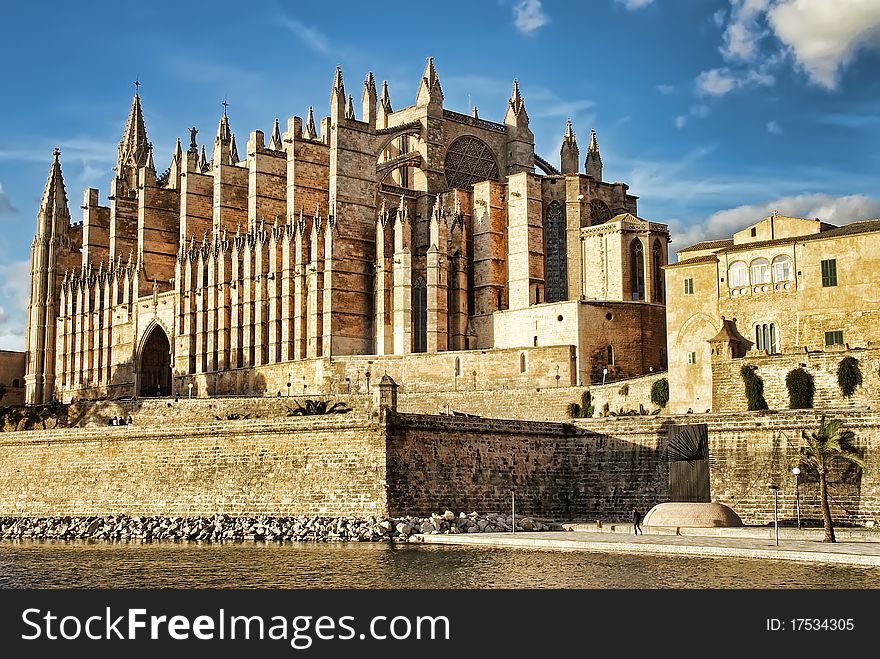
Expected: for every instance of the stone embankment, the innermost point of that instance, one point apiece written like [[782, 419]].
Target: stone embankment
[[223, 528]]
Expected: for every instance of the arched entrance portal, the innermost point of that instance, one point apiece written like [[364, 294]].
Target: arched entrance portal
[[155, 366]]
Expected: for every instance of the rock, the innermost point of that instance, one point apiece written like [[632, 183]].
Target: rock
[[404, 529], [427, 527], [527, 524], [449, 515]]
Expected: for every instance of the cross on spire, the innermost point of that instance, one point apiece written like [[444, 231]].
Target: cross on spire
[[137, 86], [225, 106]]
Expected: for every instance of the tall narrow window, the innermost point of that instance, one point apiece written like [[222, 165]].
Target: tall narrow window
[[637, 270], [689, 286], [522, 362], [657, 271], [458, 366], [610, 359], [420, 315], [766, 338], [555, 257]]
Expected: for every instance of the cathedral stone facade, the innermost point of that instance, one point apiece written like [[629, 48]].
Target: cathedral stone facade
[[434, 246]]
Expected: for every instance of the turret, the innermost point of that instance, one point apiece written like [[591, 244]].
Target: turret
[[593, 163], [310, 132], [275, 142], [568, 155]]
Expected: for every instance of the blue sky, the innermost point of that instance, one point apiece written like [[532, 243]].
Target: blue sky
[[714, 111]]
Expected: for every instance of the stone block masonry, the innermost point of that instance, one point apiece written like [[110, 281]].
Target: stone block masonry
[[393, 464]]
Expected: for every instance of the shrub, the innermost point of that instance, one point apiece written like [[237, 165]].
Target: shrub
[[660, 392], [606, 409], [574, 410], [849, 376], [624, 390], [754, 387], [801, 388], [317, 407], [587, 405]]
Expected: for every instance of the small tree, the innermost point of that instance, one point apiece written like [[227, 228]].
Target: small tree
[[317, 407], [825, 445], [660, 392], [849, 376], [801, 389], [754, 387], [584, 409], [624, 390]]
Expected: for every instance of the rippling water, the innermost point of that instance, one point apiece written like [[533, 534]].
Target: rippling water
[[83, 564]]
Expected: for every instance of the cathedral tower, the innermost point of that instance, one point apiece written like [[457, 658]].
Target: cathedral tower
[[47, 250]]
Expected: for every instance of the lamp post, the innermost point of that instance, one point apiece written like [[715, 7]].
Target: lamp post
[[797, 495], [288, 385], [775, 489], [190, 389]]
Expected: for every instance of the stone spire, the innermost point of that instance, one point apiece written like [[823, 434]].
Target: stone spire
[[384, 107], [275, 143], [516, 114], [430, 92], [337, 97], [568, 154], [233, 151], [310, 130], [54, 216], [593, 163], [203, 161], [133, 146], [53, 221], [224, 141], [177, 156], [368, 100], [349, 108]]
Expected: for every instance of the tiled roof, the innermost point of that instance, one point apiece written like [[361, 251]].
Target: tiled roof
[[708, 258], [708, 244], [854, 228]]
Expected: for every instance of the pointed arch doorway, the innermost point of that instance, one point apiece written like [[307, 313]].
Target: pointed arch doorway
[[155, 364]]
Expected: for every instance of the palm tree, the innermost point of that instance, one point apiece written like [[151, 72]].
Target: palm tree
[[825, 445], [317, 407]]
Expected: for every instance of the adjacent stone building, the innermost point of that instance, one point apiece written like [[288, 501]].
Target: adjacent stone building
[[396, 234], [782, 293]]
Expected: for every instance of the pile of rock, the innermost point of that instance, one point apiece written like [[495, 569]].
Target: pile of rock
[[221, 528]]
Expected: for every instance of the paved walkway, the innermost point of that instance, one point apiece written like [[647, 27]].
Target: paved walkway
[[751, 542]]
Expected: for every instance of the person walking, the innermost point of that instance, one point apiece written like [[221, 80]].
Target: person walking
[[637, 521]]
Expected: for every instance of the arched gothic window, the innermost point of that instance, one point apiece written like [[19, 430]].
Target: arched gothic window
[[555, 258], [420, 315], [522, 362], [637, 270], [657, 271]]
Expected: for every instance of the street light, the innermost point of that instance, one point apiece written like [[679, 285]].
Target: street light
[[797, 496], [190, 389], [775, 489]]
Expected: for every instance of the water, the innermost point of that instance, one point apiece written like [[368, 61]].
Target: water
[[84, 564]]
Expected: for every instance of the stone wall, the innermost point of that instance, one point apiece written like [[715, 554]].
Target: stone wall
[[555, 470], [172, 463], [750, 450], [328, 466], [728, 388]]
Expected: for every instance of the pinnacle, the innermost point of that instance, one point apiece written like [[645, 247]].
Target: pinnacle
[[337, 81], [516, 99], [54, 194], [594, 144], [133, 145], [275, 143], [349, 109], [311, 131], [569, 133]]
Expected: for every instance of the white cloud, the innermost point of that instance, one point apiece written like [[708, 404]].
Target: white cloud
[[718, 18], [825, 36], [6, 207], [310, 36], [744, 29], [633, 5], [14, 289], [774, 128], [528, 16], [681, 121], [723, 224], [716, 82], [697, 111], [665, 89]]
